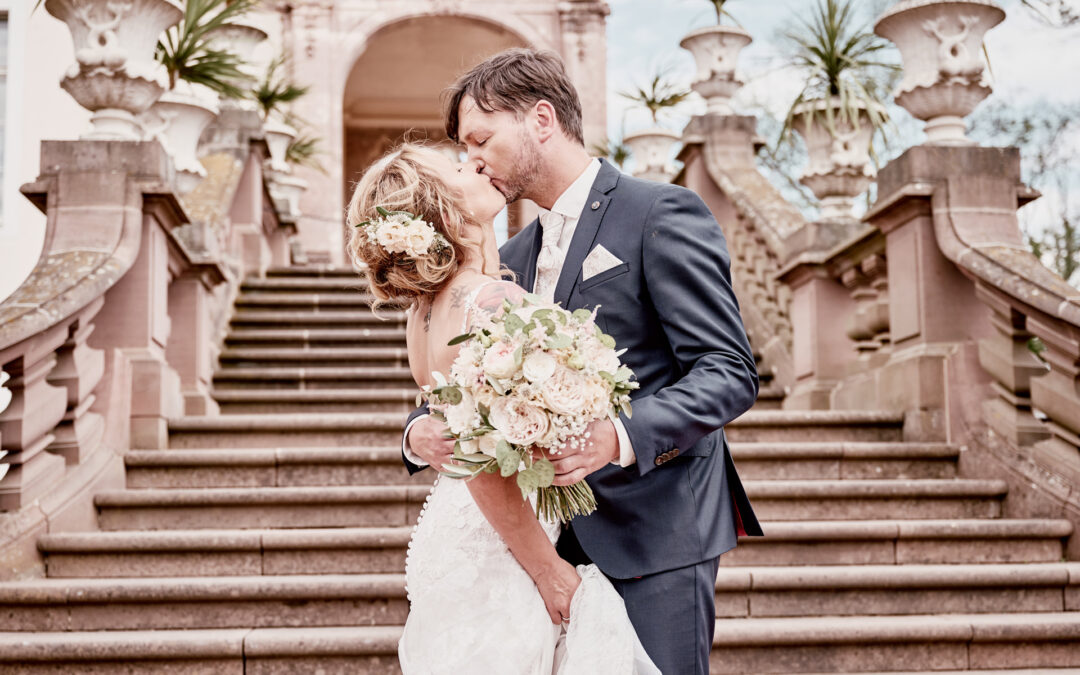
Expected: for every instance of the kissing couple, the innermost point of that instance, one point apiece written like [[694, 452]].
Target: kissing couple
[[628, 588]]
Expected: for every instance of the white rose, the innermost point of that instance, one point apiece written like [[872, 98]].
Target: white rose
[[538, 367], [564, 392], [462, 417], [499, 361], [419, 236], [519, 422], [469, 447], [486, 443], [603, 358]]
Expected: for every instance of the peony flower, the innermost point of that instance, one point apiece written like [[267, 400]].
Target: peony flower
[[519, 422], [499, 361], [462, 417], [538, 366], [564, 392], [486, 443]]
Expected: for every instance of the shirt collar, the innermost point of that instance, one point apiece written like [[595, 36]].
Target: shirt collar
[[571, 203]]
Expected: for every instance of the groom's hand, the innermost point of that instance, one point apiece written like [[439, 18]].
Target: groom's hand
[[426, 439], [597, 451]]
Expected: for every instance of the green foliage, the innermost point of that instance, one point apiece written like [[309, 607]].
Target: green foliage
[[188, 53], [274, 90], [718, 5], [305, 150], [841, 59], [660, 95], [1056, 13], [616, 151]]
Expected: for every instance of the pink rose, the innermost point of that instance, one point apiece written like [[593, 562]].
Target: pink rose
[[519, 422]]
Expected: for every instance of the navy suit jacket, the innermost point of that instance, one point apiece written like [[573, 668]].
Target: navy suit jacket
[[671, 305]]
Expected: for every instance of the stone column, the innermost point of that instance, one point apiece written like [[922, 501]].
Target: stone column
[[584, 50], [190, 350], [316, 62]]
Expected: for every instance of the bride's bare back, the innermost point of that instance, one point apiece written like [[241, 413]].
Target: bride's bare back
[[443, 317]]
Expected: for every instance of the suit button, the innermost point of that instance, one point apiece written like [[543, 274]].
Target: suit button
[[674, 453], [659, 460]]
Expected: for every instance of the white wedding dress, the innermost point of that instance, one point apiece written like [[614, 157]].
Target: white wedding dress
[[474, 609]]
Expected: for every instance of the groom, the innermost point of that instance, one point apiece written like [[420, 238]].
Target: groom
[[654, 259]]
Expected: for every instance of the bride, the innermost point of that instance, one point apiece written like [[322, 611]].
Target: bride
[[487, 591]]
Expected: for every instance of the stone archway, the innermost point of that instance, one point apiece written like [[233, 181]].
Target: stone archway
[[395, 86]]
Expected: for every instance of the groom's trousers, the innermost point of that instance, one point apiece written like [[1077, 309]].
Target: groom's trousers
[[673, 612]]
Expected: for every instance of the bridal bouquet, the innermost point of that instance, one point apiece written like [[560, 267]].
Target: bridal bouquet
[[532, 377]]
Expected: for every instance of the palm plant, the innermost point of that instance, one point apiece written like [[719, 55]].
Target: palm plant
[[274, 91], [718, 5], [187, 51], [840, 62], [304, 150], [660, 95], [617, 151]]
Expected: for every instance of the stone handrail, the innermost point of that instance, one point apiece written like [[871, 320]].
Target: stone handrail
[[718, 155]]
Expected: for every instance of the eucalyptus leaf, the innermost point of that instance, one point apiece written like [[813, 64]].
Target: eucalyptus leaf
[[545, 472], [582, 315], [459, 339], [509, 459], [382, 212], [559, 341]]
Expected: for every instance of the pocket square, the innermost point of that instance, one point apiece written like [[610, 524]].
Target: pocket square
[[599, 260]]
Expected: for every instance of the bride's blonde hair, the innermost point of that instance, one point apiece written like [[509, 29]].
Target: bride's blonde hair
[[406, 180]]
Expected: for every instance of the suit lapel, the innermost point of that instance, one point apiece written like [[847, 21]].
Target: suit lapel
[[532, 252], [585, 233]]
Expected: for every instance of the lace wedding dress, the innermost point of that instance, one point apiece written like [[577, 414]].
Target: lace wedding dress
[[474, 609]]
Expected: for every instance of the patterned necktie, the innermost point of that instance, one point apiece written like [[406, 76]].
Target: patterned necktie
[[550, 259]]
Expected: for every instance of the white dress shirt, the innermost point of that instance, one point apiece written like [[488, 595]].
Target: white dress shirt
[[569, 205]]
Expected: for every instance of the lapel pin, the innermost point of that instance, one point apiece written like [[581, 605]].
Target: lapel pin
[[595, 205]]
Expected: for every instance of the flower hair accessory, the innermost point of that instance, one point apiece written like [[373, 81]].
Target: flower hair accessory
[[403, 232]]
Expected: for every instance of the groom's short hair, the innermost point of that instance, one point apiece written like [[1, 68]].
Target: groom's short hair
[[513, 81]]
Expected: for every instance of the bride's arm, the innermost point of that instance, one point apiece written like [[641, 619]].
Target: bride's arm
[[512, 517]]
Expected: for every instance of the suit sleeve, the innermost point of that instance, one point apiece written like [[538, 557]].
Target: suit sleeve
[[415, 415], [687, 274]]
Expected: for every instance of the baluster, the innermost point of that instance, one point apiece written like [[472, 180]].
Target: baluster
[[78, 370], [1057, 393], [1007, 359]]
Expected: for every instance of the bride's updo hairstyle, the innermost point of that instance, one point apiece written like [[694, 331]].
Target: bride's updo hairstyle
[[406, 180]]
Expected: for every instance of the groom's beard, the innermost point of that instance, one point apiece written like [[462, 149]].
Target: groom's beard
[[524, 173]]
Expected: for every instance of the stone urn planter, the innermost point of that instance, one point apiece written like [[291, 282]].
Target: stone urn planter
[[115, 75], [286, 189], [940, 43], [839, 168], [651, 150], [278, 137], [243, 39], [177, 120], [716, 51]]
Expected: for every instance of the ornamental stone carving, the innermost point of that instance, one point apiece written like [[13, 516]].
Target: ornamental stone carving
[[652, 150], [940, 42], [716, 51], [839, 169], [115, 75]]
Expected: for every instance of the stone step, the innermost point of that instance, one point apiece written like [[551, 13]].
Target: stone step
[[883, 643], [203, 602], [386, 318], [845, 460], [902, 542], [246, 357], [315, 400], [355, 550], [875, 499], [246, 508], [322, 337], [303, 284], [897, 589], [371, 650], [340, 550], [269, 467], [250, 467], [309, 271], [301, 301], [287, 430], [316, 377], [770, 397], [815, 426]]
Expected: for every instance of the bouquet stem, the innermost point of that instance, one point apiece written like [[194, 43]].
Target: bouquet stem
[[564, 502]]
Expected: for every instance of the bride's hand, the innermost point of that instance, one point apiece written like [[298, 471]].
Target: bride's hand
[[557, 584]]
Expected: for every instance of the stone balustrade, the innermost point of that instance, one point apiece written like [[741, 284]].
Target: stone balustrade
[[718, 157], [116, 330]]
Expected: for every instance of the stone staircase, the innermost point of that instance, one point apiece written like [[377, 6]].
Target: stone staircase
[[271, 539]]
